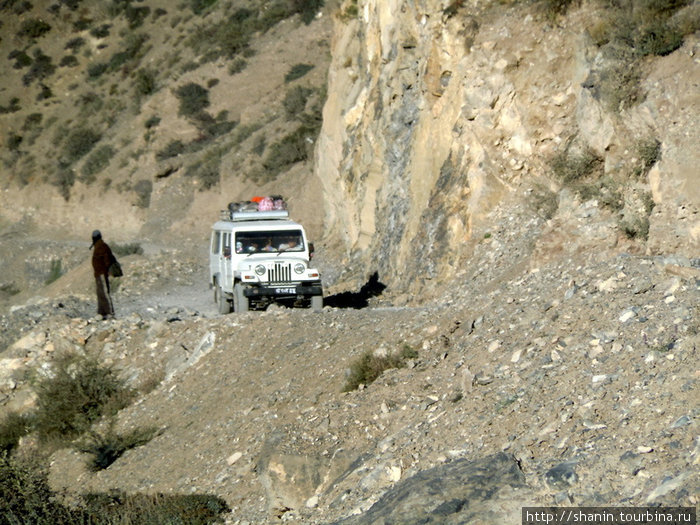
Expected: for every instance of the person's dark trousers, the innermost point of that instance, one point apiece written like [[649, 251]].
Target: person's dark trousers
[[104, 300]]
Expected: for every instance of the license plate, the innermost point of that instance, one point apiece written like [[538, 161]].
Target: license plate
[[285, 290]]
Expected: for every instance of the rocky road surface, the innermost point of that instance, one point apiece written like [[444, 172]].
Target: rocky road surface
[[570, 382]]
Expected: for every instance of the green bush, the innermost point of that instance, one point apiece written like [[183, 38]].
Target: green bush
[[28, 498], [12, 428], [21, 58], [237, 65], [79, 143], [55, 272], [291, 149], [33, 28], [208, 170], [369, 366], [307, 9], [659, 39], [40, 68], [13, 106], [97, 69], [295, 101], [145, 82], [649, 153], [74, 44], [155, 509], [152, 122], [136, 15], [63, 179], [106, 447], [13, 141], [96, 162], [122, 250], [193, 99], [101, 31], [68, 61], [173, 149], [199, 6], [78, 392], [571, 166], [226, 38]]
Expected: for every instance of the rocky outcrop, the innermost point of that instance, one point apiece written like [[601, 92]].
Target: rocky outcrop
[[436, 113], [491, 489]]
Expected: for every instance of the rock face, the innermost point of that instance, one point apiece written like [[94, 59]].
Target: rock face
[[436, 113], [457, 493]]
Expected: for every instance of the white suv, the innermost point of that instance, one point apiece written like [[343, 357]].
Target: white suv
[[260, 257]]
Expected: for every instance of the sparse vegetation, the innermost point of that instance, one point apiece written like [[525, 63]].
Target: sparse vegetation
[[571, 165], [79, 390], [28, 498], [145, 82], [370, 365], [193, 99], [350, 10], [199, 6], [649, 153], [123, 250], [96, 162], [55, 272], [237, 65], [33, 28], [172, 149], [12, 428], [106, 447], [143, 190], [79, 143], [207, 170], [74, 44], [12, 107], [307, 9], [292, 148], [628, 32], [40, 68], [295, 101]]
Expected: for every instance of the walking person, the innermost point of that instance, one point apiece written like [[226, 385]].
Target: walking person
[[102, 258]]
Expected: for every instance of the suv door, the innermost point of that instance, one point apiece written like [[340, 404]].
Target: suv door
[[226, 266], [214, 255]]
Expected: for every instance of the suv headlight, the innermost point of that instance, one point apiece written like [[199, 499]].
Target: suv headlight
[[299, 268], [260, 269]]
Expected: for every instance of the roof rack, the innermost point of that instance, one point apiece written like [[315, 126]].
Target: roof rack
[[236, 216]]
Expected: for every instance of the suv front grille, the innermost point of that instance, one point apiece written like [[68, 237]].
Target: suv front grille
[[279, 273]]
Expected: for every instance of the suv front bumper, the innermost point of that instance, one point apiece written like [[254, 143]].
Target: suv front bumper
[[280, 290]]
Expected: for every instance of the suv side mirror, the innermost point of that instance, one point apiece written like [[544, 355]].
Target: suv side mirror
[[311, 250]]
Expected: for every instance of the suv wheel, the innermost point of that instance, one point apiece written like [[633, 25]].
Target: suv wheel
[[222, 301]]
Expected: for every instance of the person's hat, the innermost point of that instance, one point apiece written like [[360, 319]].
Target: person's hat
[[96, 236]]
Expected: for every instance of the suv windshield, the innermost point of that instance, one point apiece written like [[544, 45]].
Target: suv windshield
[[269, 241]]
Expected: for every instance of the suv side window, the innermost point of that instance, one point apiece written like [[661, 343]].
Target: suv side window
[[215, 241], [227, 244]]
